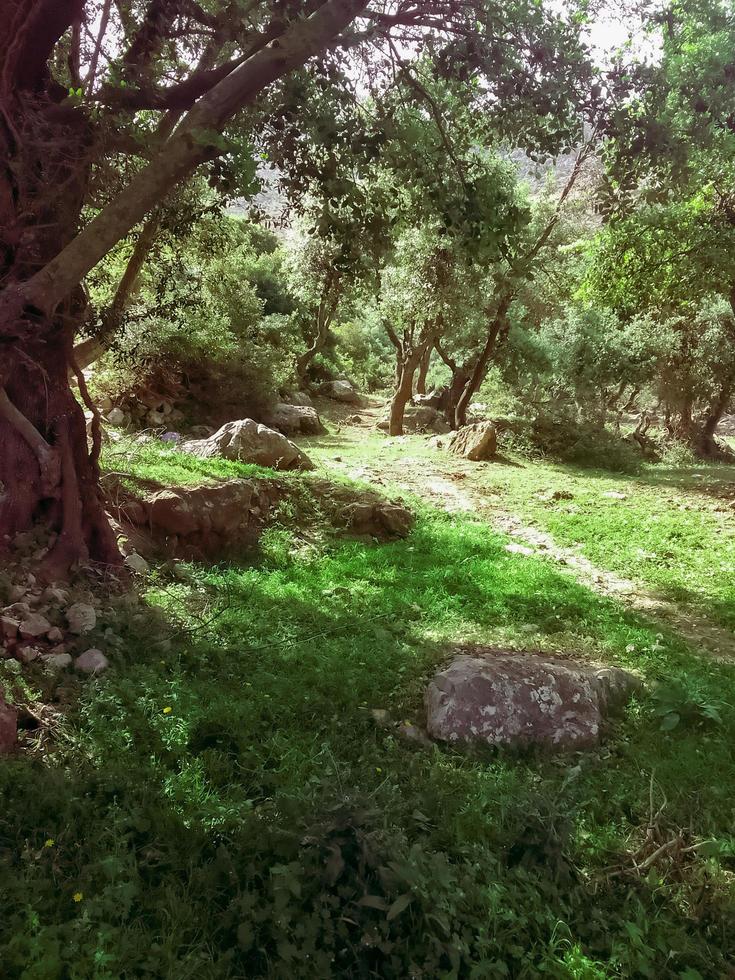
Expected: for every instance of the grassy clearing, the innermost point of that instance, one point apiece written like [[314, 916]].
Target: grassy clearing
[[674, 532], [222, 805]]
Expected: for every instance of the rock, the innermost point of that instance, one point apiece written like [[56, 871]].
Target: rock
[[354, 420], [54, 594], [432, 399], [8, 727], [136, 563], [18, 610], [57, 661], [116, 416], [296, 420], [250, 442], [300, 398], [551, 496], [412, 733], [380, 519], [54, 635], [156, 418], [419, 418], [340, 391], [211, 519], [81, 618], [171, 437], [476, 442], [34, 625], [91, 662], [516, 699], [9, 627], [201, 431], [105, 405], [615, 495], [27, 655]]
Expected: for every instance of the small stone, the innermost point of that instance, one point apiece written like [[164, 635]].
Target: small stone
[[81, 617], [19, 610], [54, 635], [136, 563], [91, 662], [116, 416], [27, 655], [57, 661], [34, 625], [54, 594], [9, 627], [615, 495]]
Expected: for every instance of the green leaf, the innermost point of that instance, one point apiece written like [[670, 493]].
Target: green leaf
[[670, 721], [400, 905], [373, 902]]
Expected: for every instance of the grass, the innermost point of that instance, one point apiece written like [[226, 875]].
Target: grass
[[221, 804], [674, 531]]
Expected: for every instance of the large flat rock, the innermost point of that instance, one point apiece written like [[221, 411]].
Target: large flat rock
[[516, 699]]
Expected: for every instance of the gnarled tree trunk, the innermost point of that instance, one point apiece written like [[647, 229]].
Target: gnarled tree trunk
[[46, 145]]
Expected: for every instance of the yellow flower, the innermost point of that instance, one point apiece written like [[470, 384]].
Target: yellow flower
[[378, 769], [167, 710], [78, 896], [50, 842]]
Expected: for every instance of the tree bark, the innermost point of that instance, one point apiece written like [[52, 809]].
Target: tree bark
[[423, 370], [705, 444], [324, 318], [479, 371], [47, 473], [403, 392]]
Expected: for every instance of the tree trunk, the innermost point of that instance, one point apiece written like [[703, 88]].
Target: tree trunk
[[402, 395], [324, 318], [705, 444], [481, 364], [423, 371], [46, 471]]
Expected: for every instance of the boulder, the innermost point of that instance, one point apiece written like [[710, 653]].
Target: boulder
[[300, 398], [8, 728], [420, 418], [188, 522], [432, 399], [33, 626], [296, 420], [476, 442], [81, 618], [518, 699], [340, 391], [380, 520], [91, 662], [250, 442], [137, 563]]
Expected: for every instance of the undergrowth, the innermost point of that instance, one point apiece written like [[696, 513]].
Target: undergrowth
[[221, 804]]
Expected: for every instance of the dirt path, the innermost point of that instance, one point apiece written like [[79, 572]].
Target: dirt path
[[447, 483]]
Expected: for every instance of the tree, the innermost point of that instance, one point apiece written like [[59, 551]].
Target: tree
[[76, 111]]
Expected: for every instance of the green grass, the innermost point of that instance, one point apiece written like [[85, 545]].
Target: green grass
[[674, 532], [238, 834], [155, 460]]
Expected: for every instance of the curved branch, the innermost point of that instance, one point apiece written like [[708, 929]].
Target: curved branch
[[49, 463]]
